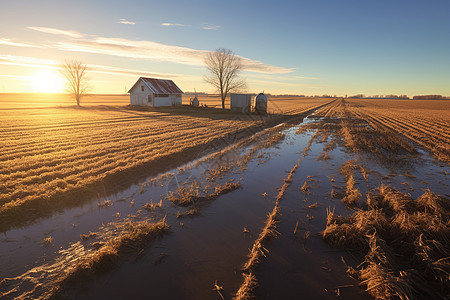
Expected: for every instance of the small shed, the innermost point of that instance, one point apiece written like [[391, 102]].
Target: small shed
[[155, 92], [241, 102]]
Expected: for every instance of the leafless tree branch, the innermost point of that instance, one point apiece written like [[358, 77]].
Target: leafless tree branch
[[77, 82], [224, 68]]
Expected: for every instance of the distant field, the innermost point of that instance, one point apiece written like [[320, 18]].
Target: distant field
[[48, 153], [427, 122], [10, 101], [279, 105]]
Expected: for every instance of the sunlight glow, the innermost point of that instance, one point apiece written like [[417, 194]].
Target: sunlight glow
[[47, 82]]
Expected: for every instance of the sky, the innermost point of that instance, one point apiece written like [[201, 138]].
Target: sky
[[288, 47]]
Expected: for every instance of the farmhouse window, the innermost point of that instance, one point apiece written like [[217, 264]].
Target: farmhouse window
[[142, 88]]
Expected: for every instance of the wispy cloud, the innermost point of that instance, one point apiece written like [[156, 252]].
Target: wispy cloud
[[133, 72], [172, 24], [125, 21], [8, 42], [27, 61], [209, 26], [305, 77], [69, 33], [157, 51], [32, 62], [147, 50]]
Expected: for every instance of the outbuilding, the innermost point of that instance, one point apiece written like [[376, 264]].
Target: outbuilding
[[241, 102], [155, 92]]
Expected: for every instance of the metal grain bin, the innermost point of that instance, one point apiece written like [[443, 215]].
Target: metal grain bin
[[260, 105]]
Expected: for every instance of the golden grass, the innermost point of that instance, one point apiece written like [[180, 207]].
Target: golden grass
[[53, 157], [405, 243]]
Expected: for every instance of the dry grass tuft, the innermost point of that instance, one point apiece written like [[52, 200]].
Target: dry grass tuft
[[185, 196], [151, 206], [105, 203], [218, 288], [245, 291], [47, 241], [189, 213], [314, 205], [268, 231], [405, 243], [334, 194], [84, 237], [218, 172], [274, 139], [330, 146], [352, 194], [408, 185], [305, 188], [324, 156], [134, 237]]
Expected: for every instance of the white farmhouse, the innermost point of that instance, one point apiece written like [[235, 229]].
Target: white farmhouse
[[155, 92]]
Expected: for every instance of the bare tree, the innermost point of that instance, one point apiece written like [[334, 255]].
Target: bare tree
[[224, 68], [77, 82]]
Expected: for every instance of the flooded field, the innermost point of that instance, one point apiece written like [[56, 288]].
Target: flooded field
[[246, 221]]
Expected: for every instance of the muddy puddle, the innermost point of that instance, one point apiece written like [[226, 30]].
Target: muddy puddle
[[212, 243]]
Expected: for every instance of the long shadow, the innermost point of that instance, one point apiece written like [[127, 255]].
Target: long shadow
[[204, 112]]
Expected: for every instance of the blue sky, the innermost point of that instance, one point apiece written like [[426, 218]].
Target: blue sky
[[292, 47]]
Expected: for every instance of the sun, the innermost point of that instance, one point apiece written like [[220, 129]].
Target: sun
[[47, 81]]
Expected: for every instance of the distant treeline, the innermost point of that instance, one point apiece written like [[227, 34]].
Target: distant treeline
[[420, 97], [357, 96], [430, 97]]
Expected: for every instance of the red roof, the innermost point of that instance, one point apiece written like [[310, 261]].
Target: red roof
[[160, 86]]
